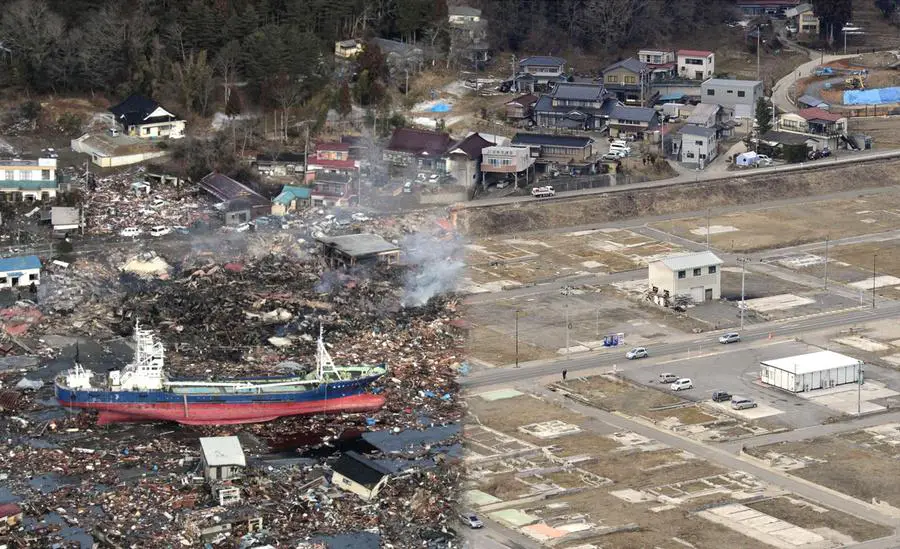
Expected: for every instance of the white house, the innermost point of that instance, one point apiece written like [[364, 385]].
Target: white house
[[699, 146], [736, 97], [543, 68], [357, 474], [660, 63], [28, 180], [458, 15], [20, 272], [696, 64], [222, 458], [143, 117], [507, 161], [696, 275]]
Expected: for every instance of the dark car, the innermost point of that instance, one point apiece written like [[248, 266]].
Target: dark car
[[721, 396]]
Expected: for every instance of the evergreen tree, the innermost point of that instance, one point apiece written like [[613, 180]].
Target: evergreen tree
[[763, 116]]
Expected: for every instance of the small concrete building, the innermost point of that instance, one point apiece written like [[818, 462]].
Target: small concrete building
[[28, 180], [699, 146], [355, 473], [222, 458], [20, 272], [696, 64], [820, 370], [737, 97], [696, 274], [358, 249]]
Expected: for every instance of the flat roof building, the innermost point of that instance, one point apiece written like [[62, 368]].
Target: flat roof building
[[358, 249], [819, 370], [696, 274]]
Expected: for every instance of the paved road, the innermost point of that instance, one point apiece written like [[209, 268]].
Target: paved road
[[496, 536], [608, 358], [730, 461], [845, 158]]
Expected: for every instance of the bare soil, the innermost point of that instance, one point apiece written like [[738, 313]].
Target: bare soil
[[561, 212], [494, 347], [800, 513], [508, 414], [618, 395]]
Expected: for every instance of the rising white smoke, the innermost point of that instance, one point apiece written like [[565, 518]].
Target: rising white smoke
[[435, 267]]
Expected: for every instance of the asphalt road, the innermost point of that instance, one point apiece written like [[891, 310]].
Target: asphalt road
[[613, 356]]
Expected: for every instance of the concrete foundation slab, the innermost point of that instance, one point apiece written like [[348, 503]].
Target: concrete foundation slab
[[880, 282], [714, 229], [500, 394], [477, 498], [778, 302], [550, 429], [632, 496], [513, 517], [762, 527], [851, 398]]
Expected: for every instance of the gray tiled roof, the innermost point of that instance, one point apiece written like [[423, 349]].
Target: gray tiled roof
[[631, 64], [578, 92], [698, 130], [542, 61], [642, 114], [547, 139]]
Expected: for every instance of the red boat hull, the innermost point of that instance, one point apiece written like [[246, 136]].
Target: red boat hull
[[226, 414]]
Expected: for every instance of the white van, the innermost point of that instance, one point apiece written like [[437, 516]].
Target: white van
[[682, 384], [616, 147]]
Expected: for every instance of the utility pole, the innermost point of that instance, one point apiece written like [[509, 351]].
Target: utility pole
[[826, 262], [567, 330], [743, 261], [758, 34], [306, 154], [873, 279], [859, 383], [707, 228]]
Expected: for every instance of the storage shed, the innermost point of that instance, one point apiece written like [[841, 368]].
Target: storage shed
[[820, 370]]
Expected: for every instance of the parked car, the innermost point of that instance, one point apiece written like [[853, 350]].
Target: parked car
[[421, 177], [742, 403], [160, 230], [131, 231], [763, 160], [731, 337], [637, 352], [503, 184], [619, 147], [613, 155], [682, 384], [359, 216], [181, 229], [242, 228], [721, 396], [471, 520], [668, 378], [407, 187], [434, 178]]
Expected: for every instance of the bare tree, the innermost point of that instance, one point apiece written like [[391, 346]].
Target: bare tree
[[226, 65], [193, 82]]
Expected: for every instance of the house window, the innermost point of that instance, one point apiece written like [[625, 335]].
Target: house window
[[729, 91], [702, 156], [2, 280], [689, 155], [32, 277], [612, 78], [698, 143], [26, 175], [697, 272], [9, 175], [682, 274], [146, 131], [742, 94], [710, 92], [45, 175], [631, 80], [712, 270]]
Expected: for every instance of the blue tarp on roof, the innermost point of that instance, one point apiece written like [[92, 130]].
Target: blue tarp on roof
[[23, 263], [440, 107], [878, 96]]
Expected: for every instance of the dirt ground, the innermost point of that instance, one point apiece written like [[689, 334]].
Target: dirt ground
[[885, 132], [561, 212], [508, 414], [864, 472], [859, 257], [773, 228], [494, 347], [807, 515]]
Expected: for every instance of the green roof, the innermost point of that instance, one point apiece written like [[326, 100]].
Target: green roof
[[289, 193]]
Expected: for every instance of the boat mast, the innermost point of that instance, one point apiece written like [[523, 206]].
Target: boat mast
[[324, 363]]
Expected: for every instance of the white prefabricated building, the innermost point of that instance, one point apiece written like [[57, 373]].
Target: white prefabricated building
[[820, 370]]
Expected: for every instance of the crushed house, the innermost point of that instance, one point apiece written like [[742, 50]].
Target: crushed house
[[697, 275], [109, 151], [10, 517], [143, 117], [574, 106], [238, 202], [357, 249], [28, 180], [468, 33], [280, 164], [291, 199], [223, 461], [359, 475], [20, 272], [422, 149]]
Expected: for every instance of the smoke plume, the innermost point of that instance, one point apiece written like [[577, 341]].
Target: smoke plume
[[435, 267]]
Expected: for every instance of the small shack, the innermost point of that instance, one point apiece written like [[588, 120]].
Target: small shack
[[358, 249], [355, 473], [20, 272], [222, 458], [819, 370]]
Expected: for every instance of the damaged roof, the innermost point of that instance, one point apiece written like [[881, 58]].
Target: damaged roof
[[225, 188], [359, 469], [359, 245], [222, 451]]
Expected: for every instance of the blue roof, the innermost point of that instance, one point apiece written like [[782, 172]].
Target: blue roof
[[290, 193], [19, 263], [671, 97]]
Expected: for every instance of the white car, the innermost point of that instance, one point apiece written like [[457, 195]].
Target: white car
[[682, 384], [618, 148], [637, 352], [160, 230], [242, 228], [359, 216], [763, 160], [131, 231], [434, 178]]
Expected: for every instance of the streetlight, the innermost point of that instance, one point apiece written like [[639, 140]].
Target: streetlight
[[566, 290], [743, 261]]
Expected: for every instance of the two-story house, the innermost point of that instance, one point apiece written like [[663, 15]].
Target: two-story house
[[143, 117], [461, 15], [574, 106], [698, 275], [520, 110], [634, 122], [661, 64], [804, 19], [506, 161], [696, 64], [543, 68], [737, 97], [826, 129], [468, 34], [699, 146], [571, 151], [332, 158], [628, 80], [464, 159], [28, 180], [424, 149]]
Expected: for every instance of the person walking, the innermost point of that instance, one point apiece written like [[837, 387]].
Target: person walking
[[564, 374]]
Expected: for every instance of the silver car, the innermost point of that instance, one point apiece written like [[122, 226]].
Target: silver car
[[741, 403]]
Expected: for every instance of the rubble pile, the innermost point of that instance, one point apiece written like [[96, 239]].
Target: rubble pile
[[126, 199]]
